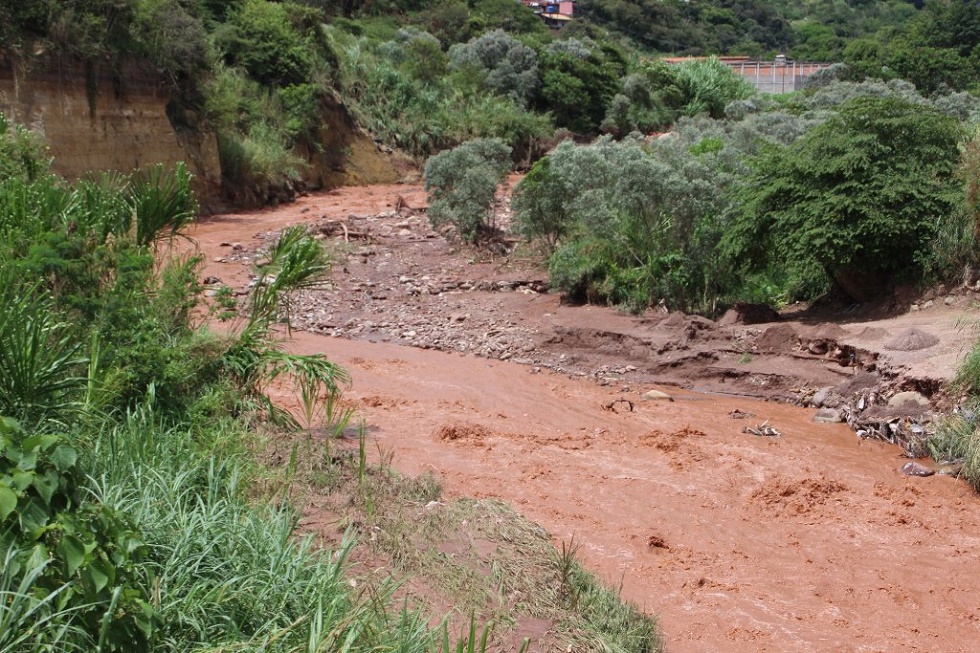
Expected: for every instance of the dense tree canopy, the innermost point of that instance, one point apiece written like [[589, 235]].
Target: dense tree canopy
[[859, 195]]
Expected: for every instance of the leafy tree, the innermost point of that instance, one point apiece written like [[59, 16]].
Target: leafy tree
[[694, 28], [632, 224], [817, 42], [173, 38], [858, 195], [578, 83], [508, 15], [462, 183], [448, 21], [262, 39], [500, 63], [421, 55]]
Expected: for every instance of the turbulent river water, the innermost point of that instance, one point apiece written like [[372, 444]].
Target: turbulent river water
[[810, 541]]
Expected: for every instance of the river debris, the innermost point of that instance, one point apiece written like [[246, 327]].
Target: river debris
[[611, 405], [912, 468], [908, 424], [657, 542], [740, 414], [763, 430]]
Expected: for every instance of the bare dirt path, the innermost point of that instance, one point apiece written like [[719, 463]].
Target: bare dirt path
[[810, 541]]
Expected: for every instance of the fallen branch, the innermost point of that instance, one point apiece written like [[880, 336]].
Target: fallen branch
[[612, 405], [763, 430]]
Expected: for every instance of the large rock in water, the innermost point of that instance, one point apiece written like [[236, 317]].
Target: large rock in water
[[656, 395], [827, 416], [912, 468]]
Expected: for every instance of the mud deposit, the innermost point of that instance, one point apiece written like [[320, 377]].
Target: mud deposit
[[809, 541]]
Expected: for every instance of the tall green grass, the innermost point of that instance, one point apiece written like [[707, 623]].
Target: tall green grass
[[222, 572], [33, 620]]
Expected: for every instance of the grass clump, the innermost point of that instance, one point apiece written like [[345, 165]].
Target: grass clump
[[478, 559], [956, 443]]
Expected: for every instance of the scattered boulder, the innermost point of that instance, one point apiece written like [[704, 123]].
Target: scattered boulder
[[656, 395], [827, 416], [820, 397], [909, 397]]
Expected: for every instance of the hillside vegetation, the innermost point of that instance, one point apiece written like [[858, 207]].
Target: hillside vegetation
[[426, 75], [757, 198]]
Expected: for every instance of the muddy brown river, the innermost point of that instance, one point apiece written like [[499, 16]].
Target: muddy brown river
[[809, 542]]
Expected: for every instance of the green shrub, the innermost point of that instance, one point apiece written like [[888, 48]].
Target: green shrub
[[462, 184], [650, 216], [94, 551], [539, 204], [259, 168], [261, 38], [957, 438], [956, 246], [843, 197], [22, 152], [578, 269]]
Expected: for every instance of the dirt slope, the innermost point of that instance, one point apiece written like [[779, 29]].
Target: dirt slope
[[810, 541]]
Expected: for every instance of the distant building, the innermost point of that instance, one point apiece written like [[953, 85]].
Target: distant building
[[780, 75], [554, 13]]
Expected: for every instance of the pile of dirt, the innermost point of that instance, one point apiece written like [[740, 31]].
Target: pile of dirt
[[778, 338], [912, 340]]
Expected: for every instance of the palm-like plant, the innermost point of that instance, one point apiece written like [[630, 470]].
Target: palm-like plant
[[162, 202], [39, 359], [256, 359]]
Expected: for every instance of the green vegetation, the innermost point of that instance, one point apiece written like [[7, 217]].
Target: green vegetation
[[134, 515], [495, 564], [424, 77], [842, 197], [850, 185], [463, 182], [124, 499]]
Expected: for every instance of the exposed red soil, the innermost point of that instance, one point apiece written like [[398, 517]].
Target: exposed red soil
[[810, 541]]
